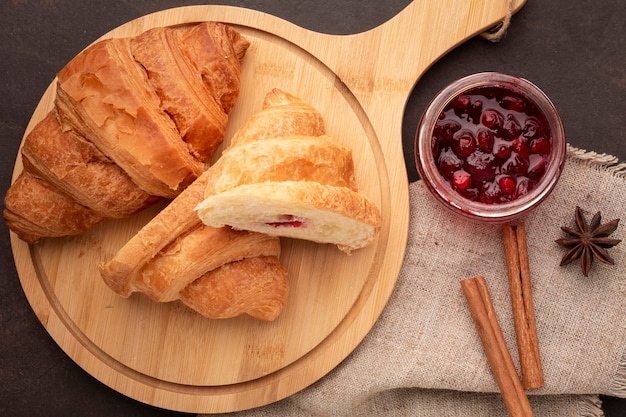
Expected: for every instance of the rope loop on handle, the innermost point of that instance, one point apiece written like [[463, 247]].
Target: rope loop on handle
[[496, 33]]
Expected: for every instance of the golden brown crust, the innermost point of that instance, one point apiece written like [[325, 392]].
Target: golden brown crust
[[279, 162], [288, 158], [202, 249], [104, 94], [176, 219], [33, 209], [174, 251], [282, 115], [185, 97], [255, 286], [76, 167], [215, 50]]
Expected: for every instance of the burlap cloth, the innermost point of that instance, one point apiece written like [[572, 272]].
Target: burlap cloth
[[424, 358]]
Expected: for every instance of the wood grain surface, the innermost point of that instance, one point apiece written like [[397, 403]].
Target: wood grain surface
[[168, 356]]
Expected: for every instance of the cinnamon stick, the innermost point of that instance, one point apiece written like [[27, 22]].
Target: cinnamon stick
[[499, 357], [516, 254]]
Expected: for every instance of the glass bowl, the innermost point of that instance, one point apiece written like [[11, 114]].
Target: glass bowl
[[490, 147]]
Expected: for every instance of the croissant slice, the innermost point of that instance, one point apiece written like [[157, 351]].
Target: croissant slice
[[104, 94], [33, 208], [193, 254], [296, 209], [301, 186], [199, 117], [255, 286], [77, 168]]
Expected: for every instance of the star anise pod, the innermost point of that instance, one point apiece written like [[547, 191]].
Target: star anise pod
[[589, 241]]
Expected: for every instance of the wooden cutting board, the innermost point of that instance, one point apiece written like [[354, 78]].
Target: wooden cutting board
[[166, 355]]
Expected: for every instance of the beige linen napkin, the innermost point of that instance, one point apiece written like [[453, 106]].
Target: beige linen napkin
[[424, 358]]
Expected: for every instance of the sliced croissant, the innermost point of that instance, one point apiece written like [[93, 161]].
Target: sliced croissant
[[297, 186], [282, 176], [297, 209]]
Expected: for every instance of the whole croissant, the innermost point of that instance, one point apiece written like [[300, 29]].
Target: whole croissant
[[135, 120], [288, 183]]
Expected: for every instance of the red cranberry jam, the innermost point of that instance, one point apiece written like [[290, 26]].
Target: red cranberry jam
[[492, 144], [490, 147]]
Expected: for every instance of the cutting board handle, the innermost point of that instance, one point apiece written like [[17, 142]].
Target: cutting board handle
[[392, 56]]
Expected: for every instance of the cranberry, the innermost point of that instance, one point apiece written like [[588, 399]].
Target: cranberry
[[507, 185], [492, 119], [484, 138], [520, 146], [464, 143], [445, 130], [512, 103], [540, 146], [461, 179], [480, 166], [448, 162], [461, 104], [502, 149]]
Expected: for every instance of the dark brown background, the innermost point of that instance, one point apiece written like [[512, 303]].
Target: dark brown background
[[574, 51]]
